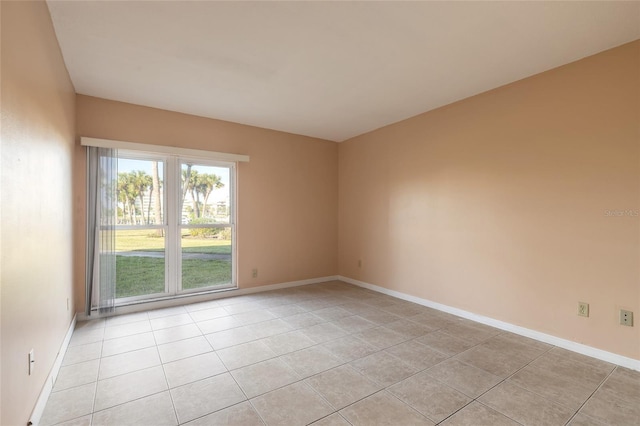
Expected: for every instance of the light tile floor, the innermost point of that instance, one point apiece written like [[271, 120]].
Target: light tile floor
[[333, 354]]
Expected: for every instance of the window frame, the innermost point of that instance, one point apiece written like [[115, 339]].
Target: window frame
[[172, 158]]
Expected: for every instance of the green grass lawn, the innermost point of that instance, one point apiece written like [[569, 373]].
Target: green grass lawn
[[197, 273], [137, 276], [147, 240]]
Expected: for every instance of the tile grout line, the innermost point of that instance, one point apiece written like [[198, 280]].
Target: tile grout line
[[439, 381], [567, 378], [515, 384], [166, 380], [95, 394], [512, 374], [591, 395], [142, 369], [476, 399]]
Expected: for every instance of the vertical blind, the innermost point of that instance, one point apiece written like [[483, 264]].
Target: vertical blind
[[102, 179]]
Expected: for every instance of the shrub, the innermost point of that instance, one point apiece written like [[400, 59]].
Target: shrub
[[202, 232], [225, 234]]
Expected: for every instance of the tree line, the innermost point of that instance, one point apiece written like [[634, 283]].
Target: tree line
[[135, 186]]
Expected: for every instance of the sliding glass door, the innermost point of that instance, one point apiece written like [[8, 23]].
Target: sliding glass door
[[206, 228], [175, 226]]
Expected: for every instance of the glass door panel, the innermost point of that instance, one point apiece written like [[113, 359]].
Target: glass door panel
[[140, 263], [141, 269], [206, 257], [206, 228]]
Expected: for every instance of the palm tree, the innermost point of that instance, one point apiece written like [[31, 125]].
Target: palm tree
[[189, 183], [141, 181], [186, 182], [205, 185], [195, 194], [199, 185], [127, 195], [155, 189]]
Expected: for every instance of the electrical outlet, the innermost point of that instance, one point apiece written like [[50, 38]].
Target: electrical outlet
[[359, 263], [583, 309], [254, 273], [626, 317], [32, 361]]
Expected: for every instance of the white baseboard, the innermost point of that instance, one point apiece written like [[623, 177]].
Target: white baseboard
[[204, 297], [278, 286], [41, 403], [611, 357]]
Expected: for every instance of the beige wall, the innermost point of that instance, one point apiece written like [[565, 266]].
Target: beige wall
[[496, 204], [287, 193], [37, 156]]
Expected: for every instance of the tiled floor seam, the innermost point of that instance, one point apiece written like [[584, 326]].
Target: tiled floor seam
[[503, 414], [128, 335], [75, 418], [509, 376], [246, 398], [321, 397], [456, 411], [128, 401], [591, 395], [384, 389], [95, 393], [329, 415], [569, 379], [477, 399], [257, 412], [408, 405], [439, 381], [173, 404]]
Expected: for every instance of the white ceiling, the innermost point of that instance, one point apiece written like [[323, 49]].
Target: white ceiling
[[332, 70]]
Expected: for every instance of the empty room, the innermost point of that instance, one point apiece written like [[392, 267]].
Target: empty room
[[328, 213]]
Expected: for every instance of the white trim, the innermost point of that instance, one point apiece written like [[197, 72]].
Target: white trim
[[611, 357], [173, 150], [185, 299], [41, 403], [173, 218], [176, 226]]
